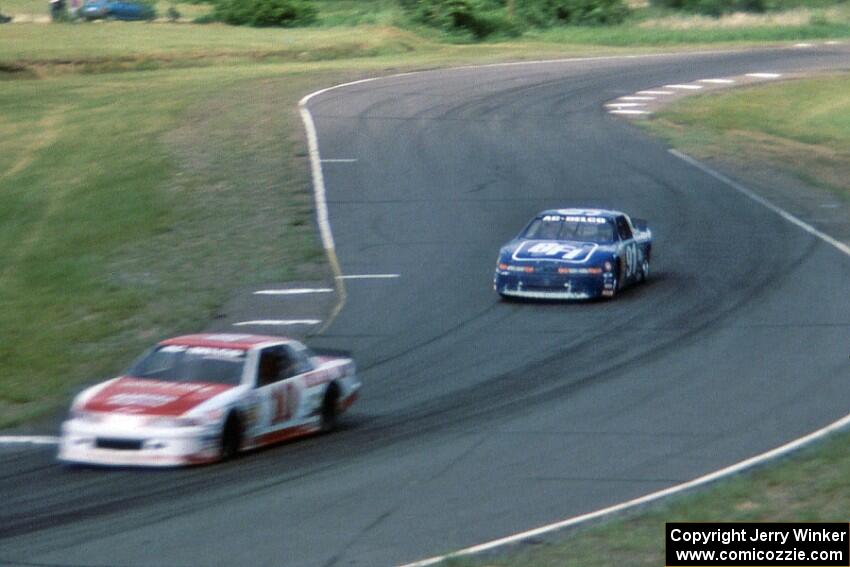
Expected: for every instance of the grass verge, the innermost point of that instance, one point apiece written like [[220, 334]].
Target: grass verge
[[810, 486], [131, 206], [800, 127]]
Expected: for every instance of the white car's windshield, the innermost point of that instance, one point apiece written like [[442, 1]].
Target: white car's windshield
[[179, 363]]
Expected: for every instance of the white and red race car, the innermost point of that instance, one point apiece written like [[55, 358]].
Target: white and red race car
[[201, 398]]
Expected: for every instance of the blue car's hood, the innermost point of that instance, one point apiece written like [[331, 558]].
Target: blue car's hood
[[555, 250]]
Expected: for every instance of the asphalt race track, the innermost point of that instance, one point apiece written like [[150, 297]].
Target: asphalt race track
[[481, 418]]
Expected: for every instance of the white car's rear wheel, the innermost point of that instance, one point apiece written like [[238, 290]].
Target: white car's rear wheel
[[330, 415]]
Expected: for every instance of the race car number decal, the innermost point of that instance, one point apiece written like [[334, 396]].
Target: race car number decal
[[631, 259], [286, 401], [554, 249]]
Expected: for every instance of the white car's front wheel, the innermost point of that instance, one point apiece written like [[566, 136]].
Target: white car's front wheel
[[231, 437]]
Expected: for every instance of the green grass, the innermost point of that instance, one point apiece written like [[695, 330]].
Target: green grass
[[189, 42], [801, 127], [131, 206], [632, 35], [810, 486]]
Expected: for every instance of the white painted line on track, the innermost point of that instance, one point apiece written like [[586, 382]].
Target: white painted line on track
[[684, 87], [636, 98], [803, 45], [764, 202], [294, 291], [319, 191], [624, 104], [339, 160], [628, 111], [717, 81], [278, 322], [833, 42], [764, 75], [706, 479], [327, 238], [370, 277], [28, 440]]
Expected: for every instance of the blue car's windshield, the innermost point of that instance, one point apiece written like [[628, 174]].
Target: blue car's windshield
[[576, 228], [178, 363]]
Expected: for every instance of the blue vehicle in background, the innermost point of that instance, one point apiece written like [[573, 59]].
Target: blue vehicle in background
[[116, 10], [574, 254]]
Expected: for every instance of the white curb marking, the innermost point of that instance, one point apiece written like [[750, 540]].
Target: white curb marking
[[319, 190], [624, 104], [833, 42], [293, 291], [730, 470], [369, 277], [684, 87], [28, 440], [711, 477], [637, 98], [278, 322], [717, 81], [628, 111], [803, 45]]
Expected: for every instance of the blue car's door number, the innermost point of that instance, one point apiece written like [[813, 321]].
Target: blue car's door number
[[631, 258], [553, 249]]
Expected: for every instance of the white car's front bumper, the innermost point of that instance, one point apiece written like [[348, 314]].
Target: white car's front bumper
[[124, 441]]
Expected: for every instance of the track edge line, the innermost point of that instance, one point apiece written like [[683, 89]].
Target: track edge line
[[699, 481]]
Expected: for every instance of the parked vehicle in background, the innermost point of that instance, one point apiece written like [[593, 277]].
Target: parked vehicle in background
[[116, 10]]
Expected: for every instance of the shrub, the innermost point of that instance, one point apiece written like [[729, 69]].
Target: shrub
[[266, 13], [207, 18], [173, 14], [714, 7], [544, 13], [478, 18]]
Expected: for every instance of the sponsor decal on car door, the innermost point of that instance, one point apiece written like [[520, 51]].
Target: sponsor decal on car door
[[630, 258], [279, 386]]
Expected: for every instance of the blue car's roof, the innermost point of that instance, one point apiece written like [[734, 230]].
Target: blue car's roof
[[606, 213]]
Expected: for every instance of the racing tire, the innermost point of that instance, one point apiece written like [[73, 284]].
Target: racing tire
[[644, 270], [330, 413], [231, 438]]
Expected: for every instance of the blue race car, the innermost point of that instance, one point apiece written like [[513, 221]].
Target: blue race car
[[110, 9], [574, 254]]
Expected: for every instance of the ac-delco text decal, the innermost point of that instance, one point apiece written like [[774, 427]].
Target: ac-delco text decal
[[571, 218]]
